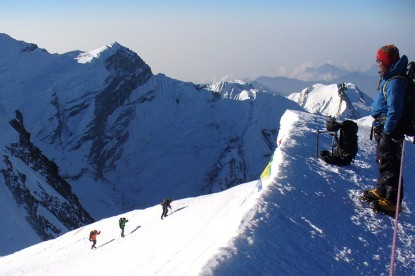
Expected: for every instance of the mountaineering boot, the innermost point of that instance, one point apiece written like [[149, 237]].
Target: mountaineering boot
[[372, 195], [384, 206]]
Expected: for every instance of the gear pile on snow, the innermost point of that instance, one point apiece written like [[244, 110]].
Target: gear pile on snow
[[345, 147]]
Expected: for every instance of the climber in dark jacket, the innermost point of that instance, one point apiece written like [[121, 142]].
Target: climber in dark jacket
[[165, 204]]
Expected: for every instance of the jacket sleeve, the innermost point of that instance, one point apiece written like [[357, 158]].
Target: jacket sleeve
[[395, 97], [378, 105]]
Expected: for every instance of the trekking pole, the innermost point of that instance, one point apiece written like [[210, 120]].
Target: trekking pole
[[371, 133], [318, 134], [398, 206], [332, 144], [341, 89]]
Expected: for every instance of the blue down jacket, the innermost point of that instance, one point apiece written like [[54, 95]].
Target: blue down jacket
[[392, 105]]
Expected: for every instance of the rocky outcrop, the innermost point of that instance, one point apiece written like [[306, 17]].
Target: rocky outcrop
[[127, 72], [229, 170], [52, 208]]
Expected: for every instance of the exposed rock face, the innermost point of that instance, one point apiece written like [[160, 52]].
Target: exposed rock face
[[52, 208], [127, 72]]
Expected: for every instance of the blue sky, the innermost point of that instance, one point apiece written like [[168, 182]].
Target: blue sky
[[205, 41]]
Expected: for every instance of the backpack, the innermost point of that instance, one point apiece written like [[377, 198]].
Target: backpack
[[166, 202], [346, 145], [90, 234], [407, 122]]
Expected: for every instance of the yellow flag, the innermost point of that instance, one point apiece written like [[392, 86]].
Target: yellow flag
[[267, 171]]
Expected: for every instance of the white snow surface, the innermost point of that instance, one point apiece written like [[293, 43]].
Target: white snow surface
[[87, 57], [305, 219]]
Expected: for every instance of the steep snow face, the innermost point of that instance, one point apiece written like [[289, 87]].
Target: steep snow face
[[306, 218], [326, 100], [196, 140], [38, 203], [311, 220], [15, 230], [181, 244], [44, 90], [13, 50]]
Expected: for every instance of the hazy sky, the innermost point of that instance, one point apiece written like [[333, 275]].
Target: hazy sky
[[215, 40]]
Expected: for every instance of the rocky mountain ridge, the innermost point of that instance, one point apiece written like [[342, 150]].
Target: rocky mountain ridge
[[51, 208], [123, 138]]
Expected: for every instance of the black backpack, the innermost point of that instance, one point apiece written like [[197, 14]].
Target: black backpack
[[90, 234], [407, 122], [346, 145], [166, 202]]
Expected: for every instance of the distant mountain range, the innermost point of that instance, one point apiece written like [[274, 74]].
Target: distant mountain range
[[327, 74], [88, 135]]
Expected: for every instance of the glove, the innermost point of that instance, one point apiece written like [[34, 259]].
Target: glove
[[332, 125], [378, 130], [385, 142]]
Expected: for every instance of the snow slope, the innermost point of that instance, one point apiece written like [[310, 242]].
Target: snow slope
[[305, 219], [110, 125]]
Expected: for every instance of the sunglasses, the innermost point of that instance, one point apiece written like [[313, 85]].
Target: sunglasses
[[378, 62]]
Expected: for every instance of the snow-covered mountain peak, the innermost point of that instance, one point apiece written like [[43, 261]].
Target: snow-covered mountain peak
[[11, 49], [219, 86], [104, 51], [236, 89], [326, 100]]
